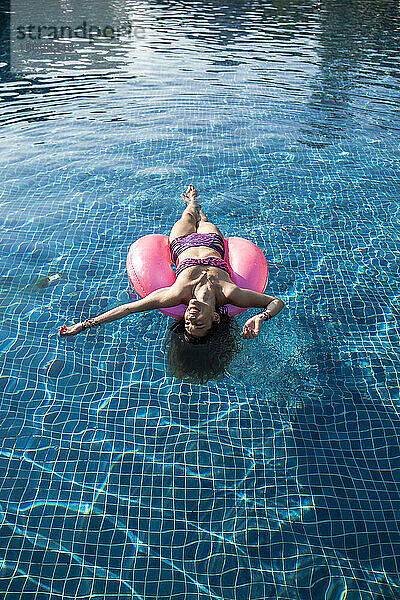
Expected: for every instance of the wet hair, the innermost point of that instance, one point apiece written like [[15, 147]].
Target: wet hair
[[198, 360]]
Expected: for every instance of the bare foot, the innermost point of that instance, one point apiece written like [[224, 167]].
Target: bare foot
[[191, 192], [191, 197]]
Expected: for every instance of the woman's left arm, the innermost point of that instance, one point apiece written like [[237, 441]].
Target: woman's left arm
[[249, 299]]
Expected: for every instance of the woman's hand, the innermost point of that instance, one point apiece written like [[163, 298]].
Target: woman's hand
[[252, 327], [71, 330]]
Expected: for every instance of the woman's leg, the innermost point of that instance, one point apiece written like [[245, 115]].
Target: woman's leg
[[190, 216], [187, 223], [204, 225]]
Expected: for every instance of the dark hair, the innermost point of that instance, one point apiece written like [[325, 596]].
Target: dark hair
[[209, 356]]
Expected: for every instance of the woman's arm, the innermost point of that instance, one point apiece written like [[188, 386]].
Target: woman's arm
[[249, 299], [162, 298]]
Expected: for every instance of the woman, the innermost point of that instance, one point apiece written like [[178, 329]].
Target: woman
[[203, 342]]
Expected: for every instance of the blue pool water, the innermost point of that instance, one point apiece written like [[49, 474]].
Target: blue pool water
[[280, 480]]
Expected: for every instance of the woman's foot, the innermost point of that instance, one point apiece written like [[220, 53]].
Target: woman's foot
[[190, 197]]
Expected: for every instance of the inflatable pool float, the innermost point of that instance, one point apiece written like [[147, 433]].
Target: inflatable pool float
[[149, 268]]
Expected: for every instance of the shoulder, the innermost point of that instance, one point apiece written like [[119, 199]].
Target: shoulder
[[180, 290], [228, 288]]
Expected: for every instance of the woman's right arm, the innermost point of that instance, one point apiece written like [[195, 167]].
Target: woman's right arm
[[162, 298], [247, 299]]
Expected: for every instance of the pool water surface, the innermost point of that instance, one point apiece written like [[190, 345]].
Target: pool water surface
[[281, 479]]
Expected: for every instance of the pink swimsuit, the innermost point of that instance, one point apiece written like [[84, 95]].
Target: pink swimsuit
[[210, 240]]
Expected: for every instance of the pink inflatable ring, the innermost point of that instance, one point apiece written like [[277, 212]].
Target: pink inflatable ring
[[149, 268]]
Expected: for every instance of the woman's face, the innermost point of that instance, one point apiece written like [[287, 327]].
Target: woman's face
[[199, 318]]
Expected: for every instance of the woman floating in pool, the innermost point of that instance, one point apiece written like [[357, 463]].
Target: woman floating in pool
[[203, 342]]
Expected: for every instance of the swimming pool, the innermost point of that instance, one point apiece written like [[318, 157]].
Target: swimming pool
[[282, 479]]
